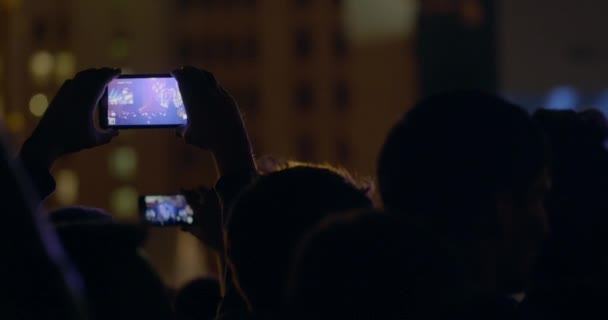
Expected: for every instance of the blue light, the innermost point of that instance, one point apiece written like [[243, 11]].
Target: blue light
[[601, 103], [562, 98]]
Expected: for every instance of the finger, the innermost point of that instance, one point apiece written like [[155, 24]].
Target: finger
[[202, 190], [90, 85], [180, 131], [63, 96], [106, 137]]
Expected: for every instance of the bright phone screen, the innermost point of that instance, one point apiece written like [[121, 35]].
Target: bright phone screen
[[163, 210], [153, 101]]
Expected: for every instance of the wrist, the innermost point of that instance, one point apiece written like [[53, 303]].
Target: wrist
[[234, 160], [38, 152], [234, 155]]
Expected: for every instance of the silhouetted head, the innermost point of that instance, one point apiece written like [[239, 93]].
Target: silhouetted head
[[363, 265], [120, 283], [472, 166], [198, 300], [270, 217], [571, 275], [579, 169]]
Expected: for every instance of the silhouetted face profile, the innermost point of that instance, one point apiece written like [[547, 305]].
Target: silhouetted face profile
[[472, 167]]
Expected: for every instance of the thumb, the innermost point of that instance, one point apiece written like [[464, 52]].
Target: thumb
[[106, 137], [181, 131]]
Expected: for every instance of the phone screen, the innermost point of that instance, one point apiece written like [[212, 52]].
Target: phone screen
[[166, 210], [133, 101]]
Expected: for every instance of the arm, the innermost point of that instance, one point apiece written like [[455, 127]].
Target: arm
[[39, 279], [66, 127], [215, 124]]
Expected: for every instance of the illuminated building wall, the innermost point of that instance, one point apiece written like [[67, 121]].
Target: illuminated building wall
[[456, 45], [317, 80]]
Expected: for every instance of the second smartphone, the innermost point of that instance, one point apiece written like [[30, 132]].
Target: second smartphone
[[165, 210]]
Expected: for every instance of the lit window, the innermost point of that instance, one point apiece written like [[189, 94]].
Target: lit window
[[41, 65], [67, 187], [65, 66], [127, 70], [38, 104], [123, 163], [123, 202], [15, 122]]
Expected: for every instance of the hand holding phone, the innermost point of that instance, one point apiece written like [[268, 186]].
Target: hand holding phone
[[165, 210], [68, 124], [142, 101], [214, 121]]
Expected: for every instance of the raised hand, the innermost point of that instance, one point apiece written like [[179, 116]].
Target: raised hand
[[214, 120], [68, 124], [207, 209]]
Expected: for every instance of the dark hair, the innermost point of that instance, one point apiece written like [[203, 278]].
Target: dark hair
[[371, 265], [79, 215], [198, 299], [270, 217], [120, 283], [452, 153], [570, 276], [579, 169]]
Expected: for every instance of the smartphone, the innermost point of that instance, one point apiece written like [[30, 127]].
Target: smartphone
[[165, 210], [142, 101]]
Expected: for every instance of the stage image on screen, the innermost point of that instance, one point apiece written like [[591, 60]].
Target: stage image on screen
[[145, 102], [167, 210]]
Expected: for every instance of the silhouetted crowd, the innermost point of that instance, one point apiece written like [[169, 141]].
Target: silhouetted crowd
[[486, 212]]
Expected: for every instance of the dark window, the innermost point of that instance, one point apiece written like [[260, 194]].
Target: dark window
[[343, 151], [39, 30], [248, 50], [342, 99], [248, 100], [227, 50], [303, 44], [185, 4], [340, 44], [302, 3], [185, 51], [306, 148], [304, 97]]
